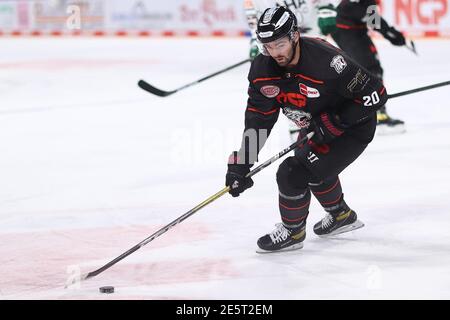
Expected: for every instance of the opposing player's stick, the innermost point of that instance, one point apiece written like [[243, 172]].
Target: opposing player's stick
[[433, 86], [411, 47], [162, 93], [187, 214]]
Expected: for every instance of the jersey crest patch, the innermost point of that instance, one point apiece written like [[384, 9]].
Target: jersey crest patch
[[299, 117], [338, 63]]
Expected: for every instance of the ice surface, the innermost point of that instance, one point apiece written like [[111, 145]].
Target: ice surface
[[90, 165]]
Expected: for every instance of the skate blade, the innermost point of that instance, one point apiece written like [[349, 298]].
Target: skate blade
[[296, 246], [354, 226], [385, 130]]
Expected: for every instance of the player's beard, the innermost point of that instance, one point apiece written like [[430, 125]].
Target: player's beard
[[284, 61]]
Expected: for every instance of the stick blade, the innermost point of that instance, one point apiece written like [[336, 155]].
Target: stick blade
[[149, 88], [75, 281], [412, 47]]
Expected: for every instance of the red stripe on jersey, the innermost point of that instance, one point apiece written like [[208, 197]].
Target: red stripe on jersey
[[262, 112], [266, 79], [344, 26], [308, 78]]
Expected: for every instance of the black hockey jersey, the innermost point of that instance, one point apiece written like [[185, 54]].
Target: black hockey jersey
[[351, 13], [324, 80]]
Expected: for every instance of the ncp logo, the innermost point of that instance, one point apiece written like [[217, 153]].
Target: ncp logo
[[429, 12], [308, 91]]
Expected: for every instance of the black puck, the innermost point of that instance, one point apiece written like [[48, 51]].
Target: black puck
[[107, 289]]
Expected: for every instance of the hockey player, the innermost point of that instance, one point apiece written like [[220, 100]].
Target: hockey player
[[314, 17], [351, 35], [321, 89]]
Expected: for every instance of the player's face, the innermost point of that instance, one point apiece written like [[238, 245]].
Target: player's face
[[281, 51]]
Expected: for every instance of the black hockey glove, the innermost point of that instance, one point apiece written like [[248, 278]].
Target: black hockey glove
[[235, 177], [301, 135], [326, 128], [394, 36]]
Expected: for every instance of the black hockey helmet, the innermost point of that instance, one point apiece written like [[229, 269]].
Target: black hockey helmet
[[276, 23]]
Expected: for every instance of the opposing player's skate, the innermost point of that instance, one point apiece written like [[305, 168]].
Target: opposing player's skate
[[387, 125]]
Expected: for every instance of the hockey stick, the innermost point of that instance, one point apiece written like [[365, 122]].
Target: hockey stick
[[412, 47], [188, 214], [162, 93], [404, 93]]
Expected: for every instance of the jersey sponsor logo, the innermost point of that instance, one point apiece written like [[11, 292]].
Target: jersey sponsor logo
[[300, 118], [270, 91], [292, 98], [361, 79], [308, 91], [338, 63]]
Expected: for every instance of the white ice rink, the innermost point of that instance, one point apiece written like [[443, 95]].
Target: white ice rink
[[90, 165]]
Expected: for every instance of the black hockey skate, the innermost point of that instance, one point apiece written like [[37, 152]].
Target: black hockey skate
[[282, 239], [387, 125], [338, 221]]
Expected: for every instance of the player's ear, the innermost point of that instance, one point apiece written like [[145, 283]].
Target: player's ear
[[296, 36]]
